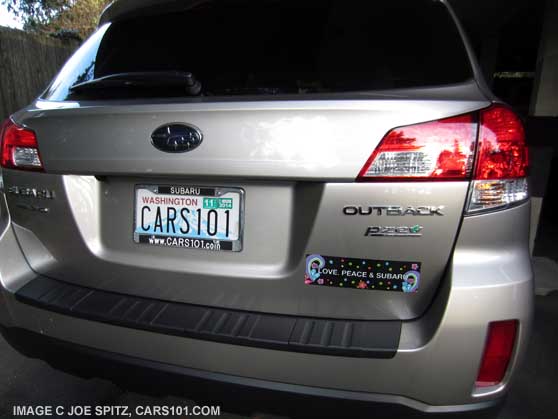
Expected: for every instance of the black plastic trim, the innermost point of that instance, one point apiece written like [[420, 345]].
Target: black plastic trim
[[349, 338]]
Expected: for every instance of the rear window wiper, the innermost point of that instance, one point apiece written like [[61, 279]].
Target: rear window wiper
[[143, 80]]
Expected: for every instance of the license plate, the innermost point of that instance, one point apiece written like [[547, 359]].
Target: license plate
[[190, 217]]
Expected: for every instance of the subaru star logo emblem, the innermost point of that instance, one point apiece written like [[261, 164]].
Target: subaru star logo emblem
[[176, 138]]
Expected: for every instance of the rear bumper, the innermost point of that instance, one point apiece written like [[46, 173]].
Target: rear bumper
[[90, 362], [434, 367]]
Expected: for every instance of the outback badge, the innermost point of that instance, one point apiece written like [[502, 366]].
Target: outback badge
[[394, 210]]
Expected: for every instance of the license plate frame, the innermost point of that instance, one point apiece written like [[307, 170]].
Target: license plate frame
[[196, 243]]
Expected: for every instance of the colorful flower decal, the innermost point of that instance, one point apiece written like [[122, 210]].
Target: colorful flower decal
[[352, 273]]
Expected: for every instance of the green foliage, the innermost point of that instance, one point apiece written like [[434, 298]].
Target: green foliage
[[58, 17], [35, 13]]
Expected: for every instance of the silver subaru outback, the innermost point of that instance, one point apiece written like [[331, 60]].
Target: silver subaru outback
[[316, 197]]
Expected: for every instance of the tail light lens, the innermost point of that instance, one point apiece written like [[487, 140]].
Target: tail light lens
[[502, 150], [490, 195], [502, 162], [447, 150], [20, 149], [438, 150], [498, 351]]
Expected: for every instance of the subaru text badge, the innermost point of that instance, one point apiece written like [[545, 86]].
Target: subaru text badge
[[176, 138]]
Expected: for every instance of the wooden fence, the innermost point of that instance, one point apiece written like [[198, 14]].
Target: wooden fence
[[27, 65]]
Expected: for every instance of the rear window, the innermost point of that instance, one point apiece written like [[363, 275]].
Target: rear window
[[271, 47]]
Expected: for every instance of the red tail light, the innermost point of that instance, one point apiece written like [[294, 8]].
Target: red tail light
[[445, 150], [502, 162], [502, 152], [437, 150], [497, 352], [20, 149]]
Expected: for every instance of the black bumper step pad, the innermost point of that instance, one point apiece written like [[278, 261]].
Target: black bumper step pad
[[349, 338]]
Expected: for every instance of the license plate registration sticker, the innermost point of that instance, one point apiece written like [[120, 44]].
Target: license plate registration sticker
[[189, 217]]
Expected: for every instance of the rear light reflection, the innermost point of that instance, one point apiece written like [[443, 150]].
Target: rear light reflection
[[498, 351]]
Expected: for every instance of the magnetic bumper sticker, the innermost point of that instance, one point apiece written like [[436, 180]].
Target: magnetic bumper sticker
[[365, 274]]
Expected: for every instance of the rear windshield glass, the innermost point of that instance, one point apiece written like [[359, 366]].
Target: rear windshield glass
[[270, 47]]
